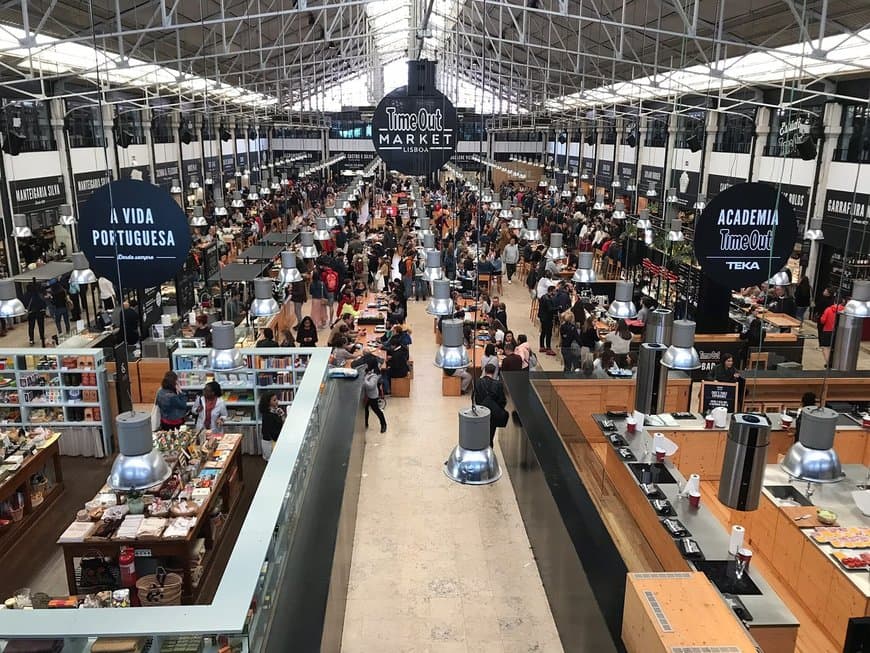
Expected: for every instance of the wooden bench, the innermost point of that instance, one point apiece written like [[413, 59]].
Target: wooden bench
[[451, 386], [400, 387]]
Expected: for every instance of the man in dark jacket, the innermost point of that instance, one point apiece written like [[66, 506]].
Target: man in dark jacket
[[489, 392], [546, 314], [498, 312]]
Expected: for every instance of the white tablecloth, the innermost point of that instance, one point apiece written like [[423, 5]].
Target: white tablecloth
[[81, 441]]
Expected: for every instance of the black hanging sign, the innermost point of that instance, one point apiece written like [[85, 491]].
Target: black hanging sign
[[626, 172], [717, 183], [718, 395], [228, 163], [86, 183], [135, 231], [211, 164], [605, 172], [165, 174], [357, 160], [687, 184], [841, 209], [415, 127], [745, 235], [588, 166], [37, 194], [651, 177], [185, 297]]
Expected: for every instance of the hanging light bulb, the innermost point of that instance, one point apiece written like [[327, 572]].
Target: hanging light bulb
[[815, 231], [433, 269], [532, 233], [264, 304], [20, 227], [82, 273], [622, 307], [440, 304], [584, 272], [238, 202], [619, 210], [675, 235], [10, 305], [66, 215], [615, 183], [701, 203], [630, 187], [452, 354], [672, 197], [682, 355], [599, 202], [321, 233], [651, 191], [307, 248], [253, 195], [219, 208], [516, 218], [197, 219], [175, 189], [556, 251], [643, 221], [288, 273], [224, 357]]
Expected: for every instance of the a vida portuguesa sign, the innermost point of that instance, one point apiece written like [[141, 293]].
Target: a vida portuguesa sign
[[745, 235], [136, 230], [415, 127]]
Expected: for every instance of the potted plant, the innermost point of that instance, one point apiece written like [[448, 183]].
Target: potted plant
[[135, 502]]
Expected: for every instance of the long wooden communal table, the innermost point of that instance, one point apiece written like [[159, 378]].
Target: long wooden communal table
[[770, 390], [226, 492]]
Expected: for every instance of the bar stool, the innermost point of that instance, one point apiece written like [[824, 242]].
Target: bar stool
[[533, 310]]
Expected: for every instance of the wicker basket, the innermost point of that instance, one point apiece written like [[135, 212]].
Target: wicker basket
[[17, 514], [160, 589], [38, 492]]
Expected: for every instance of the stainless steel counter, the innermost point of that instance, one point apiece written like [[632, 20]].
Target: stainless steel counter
[[833, 496], [657, 422], [767, 609]]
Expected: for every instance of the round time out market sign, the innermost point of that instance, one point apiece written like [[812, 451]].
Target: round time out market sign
[[416, 134], [745, 235], [135, 228]]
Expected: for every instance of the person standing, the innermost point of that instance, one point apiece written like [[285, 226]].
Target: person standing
[[130, 321], [498, 312], [60, 306], [171, 403], [510, 256], [802, 298], [298, 296], [828, 321], [107, 293], [546, 313], [271, 422], [371, 380], [34, 301], [489, 392], [569, 342], [210, 408], [318, 301]]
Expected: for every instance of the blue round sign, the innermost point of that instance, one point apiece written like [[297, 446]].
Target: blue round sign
[[134, 233]]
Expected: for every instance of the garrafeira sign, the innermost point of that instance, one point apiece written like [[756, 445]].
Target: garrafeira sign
[[745, 235], [415, 127]]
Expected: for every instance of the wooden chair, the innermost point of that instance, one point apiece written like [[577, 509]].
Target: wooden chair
[[523, 270], [533, 310], [758, 360], [400, 387], [497, 281], [484, 281], [611, 269]]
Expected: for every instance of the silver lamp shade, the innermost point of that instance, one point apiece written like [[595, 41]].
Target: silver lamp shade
[[682, 355], [651, 191], [781, 278], [264, 191], [433, 269], [238, 202], [175, 189], [208, 179], [584, 272], [495, 206], [276, 183], [532, 233], [423, 225], [472, 461], [19, 226], [566, 191], [619, 210], [10, 305], [66, 215], [263, 305], [516, 218], [138, 466], [815, 231], [289, 273], [306, 242], [440, 303], [556, 251], [859, 305], [224, 357], [672, 196], [253, 195], [701, 202], [622, 307], [584, 176], [331, 220], [505, 214], [543, 183], [452, 354], [675, 235], [630, 187], [599, 202], [648, 236], [643, 221], [198, 219], [322, 230], [428, 241], [193, 185], [580, 198], [615, 184], [82, 273], [219, 208], [812, 458]]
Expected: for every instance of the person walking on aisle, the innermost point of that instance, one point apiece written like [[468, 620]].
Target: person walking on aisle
[[546, 314], [489, 392], [371, 380], [511, 257], [34, 301]]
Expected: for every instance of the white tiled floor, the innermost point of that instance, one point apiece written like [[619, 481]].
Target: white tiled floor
[[438, 566]]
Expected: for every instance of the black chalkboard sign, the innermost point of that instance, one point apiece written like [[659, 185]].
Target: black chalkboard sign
[[715, 395], [210, 261], [150, 306], [184, 295]]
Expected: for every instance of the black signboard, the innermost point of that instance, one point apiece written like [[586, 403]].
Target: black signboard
[[745, 235], [191, 170], [228, 163], [37, 194], [688, 185], [185, 298], [465, 162], [210, 261], [357, 160], [135, 231], [718, 395], [573, 163], [626, 172], [798, 196], [717, 183], [651, 177], [241, 161], [165, 173], [150, 307], [145, 170], [211, 164], [605, 173], [841, 208], [588, 166], [254, 163], [85, 183], [415, 127]]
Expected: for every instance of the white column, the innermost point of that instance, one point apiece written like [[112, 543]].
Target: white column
[[833, 127]]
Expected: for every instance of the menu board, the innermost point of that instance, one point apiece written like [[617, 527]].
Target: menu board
[[716, 395], [150, 308], [210, 261], [185, 297]]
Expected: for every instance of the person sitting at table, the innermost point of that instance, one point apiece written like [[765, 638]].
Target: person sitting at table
[[306, 334], [782, 302], [287, 339], [343, 350], [725, 372], [512, 362], [606, 360], [485, 304], [524, 349], [508, 339], [340, 330], [498, 311], [490, 357], [398, 335], [397, 365], [620, 339], [268, 339]]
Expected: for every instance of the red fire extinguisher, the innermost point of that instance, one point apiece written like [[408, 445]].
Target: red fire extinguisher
[[127, 564]]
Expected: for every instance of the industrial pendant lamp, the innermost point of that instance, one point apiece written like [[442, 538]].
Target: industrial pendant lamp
[[651, 191], [859, 305], [20, 228], [630, 187], [433, 269], [812, 458], [138, 466], [237, 202], [306, 241], [440, 304], [321, 233], [555, 251], [682, 355], [175, 189], [815, 231], [265, 191], [566, 190], [253, 195], [584, 272], [208, 179], [198, 219], [516, 218], [672, 197], [648, 236], [615, 183], [194, 184], [599, 202], [781, 278], [619, 210], [66, 215], [219, 208], [643, 221], [264, 304], [423, 226], [452, 354], [495, 205], [472, 461], [276, 183], [505, 214], [224, 357], [584, 176], [700, 203], [544, 183], [82, 273], [580, 198], [532, 233], [10, 305], [428, 241], [331, 220], [622, 307], [675, 235], [289, 273], [553, 188]]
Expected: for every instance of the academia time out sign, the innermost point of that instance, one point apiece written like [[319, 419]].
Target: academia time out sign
[[745, 235], [135, 229]]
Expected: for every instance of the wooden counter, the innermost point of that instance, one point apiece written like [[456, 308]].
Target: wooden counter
[[770, 391]]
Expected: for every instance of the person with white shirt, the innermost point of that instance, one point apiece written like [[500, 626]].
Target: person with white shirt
[[543, 283], [107, 293]]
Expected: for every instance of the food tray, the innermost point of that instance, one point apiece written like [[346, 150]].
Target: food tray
[[843, 537], [863, 556]]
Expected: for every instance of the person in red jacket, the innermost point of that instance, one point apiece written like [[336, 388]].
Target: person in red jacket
[[827, 321]]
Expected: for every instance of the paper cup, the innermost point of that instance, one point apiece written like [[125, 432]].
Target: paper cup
[[787, 421], [694, 499], [708, 422], [630, 425], [865, 421], [660, 455], [744, 555]]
